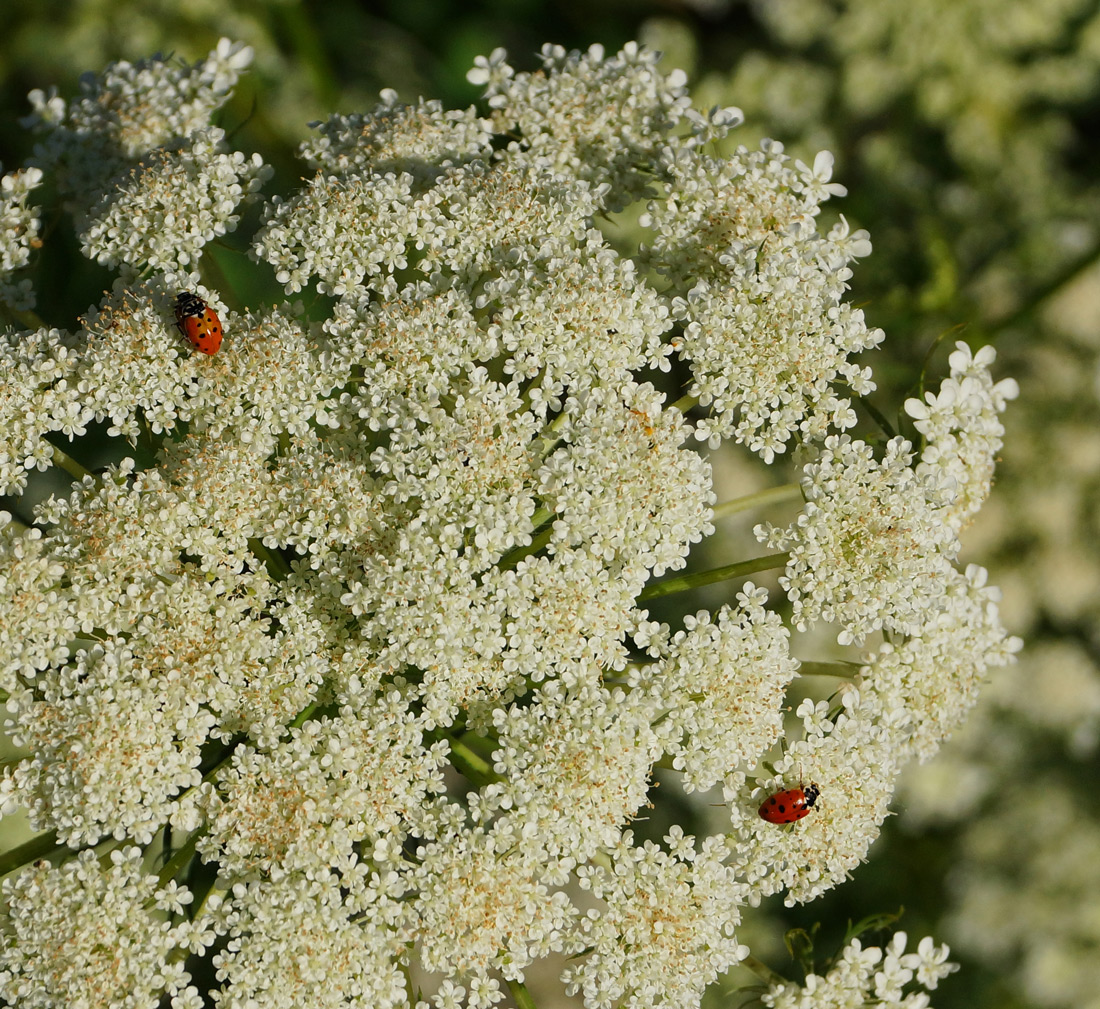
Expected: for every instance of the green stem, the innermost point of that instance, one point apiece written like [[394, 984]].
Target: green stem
[[69, 464], [303, 716], [549, 435], [762, 971], [509, 562], [878, 417], [603, 860], [521, 995], [955, 330], [731, 571], [841, 669], [685, 403], [541, 517], [28, 851], [25, 317], [761, 499], [223, 758], [276, 566], [214, 891], [407, 975], [179, 859], [475, 767], [18, 524], [103, 854]]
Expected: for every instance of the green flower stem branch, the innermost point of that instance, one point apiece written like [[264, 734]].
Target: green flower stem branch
[[475, 767], [25, 317], [539, 541], [762, 971], [840, 670], [179, 860], [521, 996], [28, 851], [789, 492], [276, 564], [69, 464], [684, 403], [728, 572]]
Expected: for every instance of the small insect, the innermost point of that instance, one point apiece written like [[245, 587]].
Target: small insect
[[198, 322], [789, 805]]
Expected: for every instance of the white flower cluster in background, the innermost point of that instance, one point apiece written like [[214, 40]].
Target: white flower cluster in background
[[870, 977], [962, 430], [362, 640], [19, 230], [1010, 784]]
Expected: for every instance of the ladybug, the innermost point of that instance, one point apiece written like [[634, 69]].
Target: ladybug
[[789, 805], [198, 322]]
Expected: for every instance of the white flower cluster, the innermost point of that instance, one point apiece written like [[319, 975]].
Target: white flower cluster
[[484, 902], [148, 180], [134, 107], [721, 685], [873, 547], [870, 977], [420, 139], [905, 702], [309, 800], [870, 549], [88, 934], [37, 398], [850, 754], [19, 228], [172, 204], [575, 766], [666, 928], [960, 645], [128, 367], [405, 541], [765, 329], [962, 429], [319, 939], [587, 115]]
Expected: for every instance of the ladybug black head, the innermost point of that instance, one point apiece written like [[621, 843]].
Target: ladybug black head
[[812, 793], [189, 304]]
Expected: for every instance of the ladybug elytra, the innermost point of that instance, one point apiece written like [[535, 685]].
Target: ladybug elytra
[[198, 322], [789, 805]]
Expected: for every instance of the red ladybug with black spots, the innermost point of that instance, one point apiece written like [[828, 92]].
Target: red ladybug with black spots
[[198, 322], [790, 805]]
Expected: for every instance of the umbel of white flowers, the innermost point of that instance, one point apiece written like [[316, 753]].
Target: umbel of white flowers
[[368, 633]]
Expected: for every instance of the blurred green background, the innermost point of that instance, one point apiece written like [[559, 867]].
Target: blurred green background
[[968, 135]]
